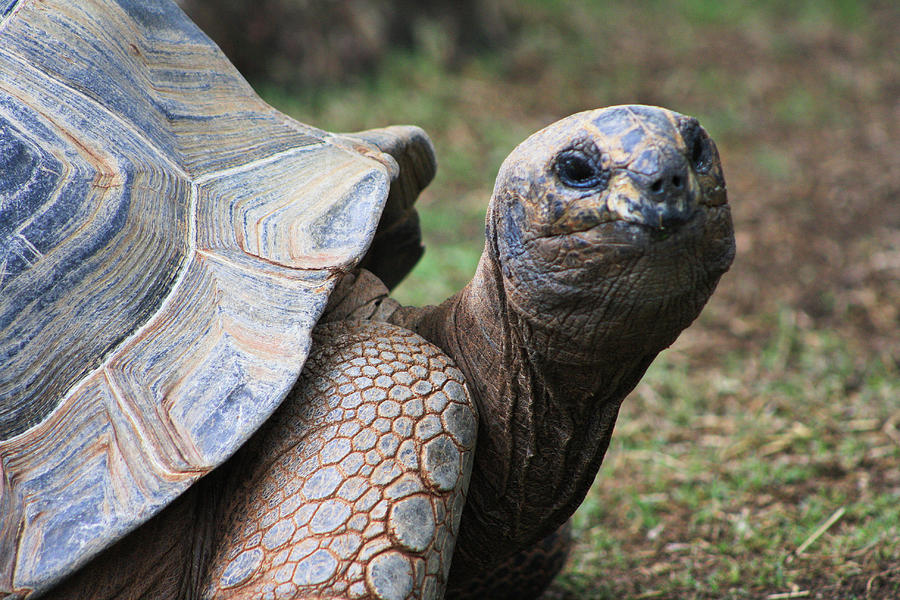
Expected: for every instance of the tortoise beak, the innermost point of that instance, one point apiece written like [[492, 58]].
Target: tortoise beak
[[666, 199]]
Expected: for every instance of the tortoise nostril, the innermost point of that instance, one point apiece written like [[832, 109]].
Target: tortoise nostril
[[676, 182], [657, 186]]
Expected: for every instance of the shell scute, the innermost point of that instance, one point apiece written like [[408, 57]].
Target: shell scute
[[89, 216]]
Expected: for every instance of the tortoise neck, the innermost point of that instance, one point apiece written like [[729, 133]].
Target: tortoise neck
[[544, 420]]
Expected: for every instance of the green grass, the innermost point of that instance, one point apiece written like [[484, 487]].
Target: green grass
[[737, 467]]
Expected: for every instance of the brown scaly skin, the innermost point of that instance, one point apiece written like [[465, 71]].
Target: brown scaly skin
[[578, 289]]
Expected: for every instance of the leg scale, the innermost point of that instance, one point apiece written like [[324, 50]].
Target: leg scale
[[355, 487]]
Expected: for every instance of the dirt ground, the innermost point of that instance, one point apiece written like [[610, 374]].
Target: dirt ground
[[816, 190]]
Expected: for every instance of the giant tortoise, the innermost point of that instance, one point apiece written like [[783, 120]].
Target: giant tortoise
[[206, 391]]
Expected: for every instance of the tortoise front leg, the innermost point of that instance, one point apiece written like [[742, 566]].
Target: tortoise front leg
[[356, 485]]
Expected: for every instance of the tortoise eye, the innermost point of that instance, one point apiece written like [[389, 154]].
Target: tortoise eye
[[576, 169], [701, 153]]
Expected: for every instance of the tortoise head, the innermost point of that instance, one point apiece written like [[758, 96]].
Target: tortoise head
[[612, 221]]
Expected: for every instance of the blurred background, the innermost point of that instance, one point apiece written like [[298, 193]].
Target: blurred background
[[760, 457]]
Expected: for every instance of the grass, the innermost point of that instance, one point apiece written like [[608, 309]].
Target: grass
[[773, 425], [717, 477]]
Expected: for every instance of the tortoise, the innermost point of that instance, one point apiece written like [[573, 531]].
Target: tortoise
[[207, 391]]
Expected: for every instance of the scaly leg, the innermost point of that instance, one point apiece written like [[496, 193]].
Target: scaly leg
[[355, 487]]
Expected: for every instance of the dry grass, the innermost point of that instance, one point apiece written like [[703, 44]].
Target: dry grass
[[771, 473]]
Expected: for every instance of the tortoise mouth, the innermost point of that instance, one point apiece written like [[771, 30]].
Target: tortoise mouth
[[617, 227], [614, 245]]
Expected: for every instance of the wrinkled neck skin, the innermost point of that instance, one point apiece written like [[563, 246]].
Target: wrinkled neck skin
[[549, 360], [544, 425]]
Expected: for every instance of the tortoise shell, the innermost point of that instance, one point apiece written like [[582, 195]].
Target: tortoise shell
[[167, 243]]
